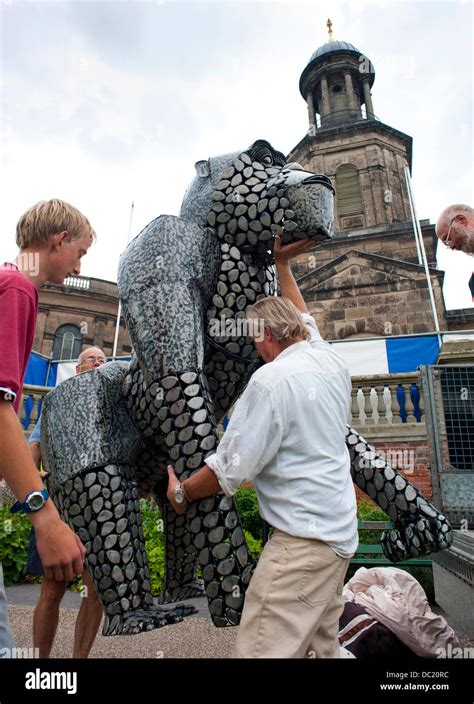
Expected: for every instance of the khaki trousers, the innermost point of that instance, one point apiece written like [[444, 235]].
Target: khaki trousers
[[294, 601]]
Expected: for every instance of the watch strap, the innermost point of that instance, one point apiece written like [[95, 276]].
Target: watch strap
[[24, 506], [186, 495]]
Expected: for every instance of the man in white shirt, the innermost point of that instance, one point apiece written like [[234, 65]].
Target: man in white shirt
[[287, 435]]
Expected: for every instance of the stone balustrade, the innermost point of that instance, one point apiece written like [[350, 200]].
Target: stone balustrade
[[386, 400], [378, 401], [77, 282]]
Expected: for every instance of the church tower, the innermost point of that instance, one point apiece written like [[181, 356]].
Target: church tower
[[373, 260], [366, 157]]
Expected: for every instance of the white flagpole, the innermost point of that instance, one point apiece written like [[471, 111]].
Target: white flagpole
[[421, 248], [119, 312], [413, 215]]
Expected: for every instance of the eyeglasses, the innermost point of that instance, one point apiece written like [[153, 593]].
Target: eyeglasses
[[91, 360], [446, 241]]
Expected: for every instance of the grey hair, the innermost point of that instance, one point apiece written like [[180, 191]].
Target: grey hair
[[281, 316], [449, 214]]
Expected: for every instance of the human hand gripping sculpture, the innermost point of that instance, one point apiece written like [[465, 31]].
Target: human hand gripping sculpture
[[185, 284]]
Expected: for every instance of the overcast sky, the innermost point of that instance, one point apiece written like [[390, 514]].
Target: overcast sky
[[103, 103]]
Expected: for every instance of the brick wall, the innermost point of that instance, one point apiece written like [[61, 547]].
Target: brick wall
[[416, 450]]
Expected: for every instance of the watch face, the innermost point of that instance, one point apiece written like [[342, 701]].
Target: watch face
[[179, 496], [36, 501]]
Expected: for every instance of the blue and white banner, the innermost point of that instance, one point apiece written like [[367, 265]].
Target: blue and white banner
[[391, 355]]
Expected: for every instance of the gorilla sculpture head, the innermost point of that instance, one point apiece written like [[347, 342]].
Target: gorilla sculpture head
[[249, 197]]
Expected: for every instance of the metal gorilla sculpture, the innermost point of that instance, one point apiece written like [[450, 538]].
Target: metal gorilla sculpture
[[109, 432]]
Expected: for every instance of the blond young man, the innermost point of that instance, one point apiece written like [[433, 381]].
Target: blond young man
[[46, 614], [287, 435], [52, 237]]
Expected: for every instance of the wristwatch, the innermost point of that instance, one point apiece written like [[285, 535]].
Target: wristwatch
[[179, 496], [34, 501]]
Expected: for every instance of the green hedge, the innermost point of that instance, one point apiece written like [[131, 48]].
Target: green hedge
[[247, 506], [366, 511], [155, 542], [15, 532], [152, 524], [14, 538]]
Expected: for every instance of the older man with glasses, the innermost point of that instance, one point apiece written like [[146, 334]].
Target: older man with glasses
[[46, 615], [455, 228]]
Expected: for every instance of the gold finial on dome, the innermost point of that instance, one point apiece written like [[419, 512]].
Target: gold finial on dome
[[329, 26]]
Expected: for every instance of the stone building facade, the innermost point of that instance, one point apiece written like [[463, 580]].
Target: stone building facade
[[80, 313]]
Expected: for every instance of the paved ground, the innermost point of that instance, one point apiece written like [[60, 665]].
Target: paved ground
[[27, 595], [195, 637]]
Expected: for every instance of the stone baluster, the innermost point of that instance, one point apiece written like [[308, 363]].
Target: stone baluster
[[394, 405], [368, 410], [35, 410], [409, 407], [354, 411], [381, 407]]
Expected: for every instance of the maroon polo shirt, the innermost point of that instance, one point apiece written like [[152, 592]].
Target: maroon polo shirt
[[18, 311]]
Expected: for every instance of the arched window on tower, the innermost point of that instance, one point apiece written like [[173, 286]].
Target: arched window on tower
[[67, 342], [349, 195]]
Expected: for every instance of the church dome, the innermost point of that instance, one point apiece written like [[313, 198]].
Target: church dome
[[334, 46], [335, 51]]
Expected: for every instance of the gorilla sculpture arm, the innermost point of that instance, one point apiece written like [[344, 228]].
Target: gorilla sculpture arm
[[419, 528]]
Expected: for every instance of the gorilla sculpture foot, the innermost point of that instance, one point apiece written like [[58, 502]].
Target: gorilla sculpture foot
[[140, 620], [181, 593]]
